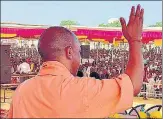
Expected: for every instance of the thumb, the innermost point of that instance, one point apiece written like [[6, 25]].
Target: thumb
[[123, 24]]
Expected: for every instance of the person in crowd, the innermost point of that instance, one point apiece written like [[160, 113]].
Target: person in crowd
[[80, 74], [88, 71], [150, 86], [24, 67], [85, 70], [32, 66], [145, 80], [95, 75], [12, 69], [37, 67]]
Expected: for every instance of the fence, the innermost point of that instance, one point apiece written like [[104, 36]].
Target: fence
[[151, 90]]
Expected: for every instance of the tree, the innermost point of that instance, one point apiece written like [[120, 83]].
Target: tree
[[102, 25], [158, 24], [68, 23], [112, 24]]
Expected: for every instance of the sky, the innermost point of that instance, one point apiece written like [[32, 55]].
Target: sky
[[86, 13]]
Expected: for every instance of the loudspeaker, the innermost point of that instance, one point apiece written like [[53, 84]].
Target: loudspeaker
[[85, 51], [5, 55], [5, 66], [5, 74]]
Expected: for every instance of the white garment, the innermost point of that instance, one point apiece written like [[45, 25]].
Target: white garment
[[12, 70], [88, 71], [24, 68], [159, 82], [153, 67], [91, 60], [150, 87], [84, 71], [102, 59], [84, 61], [107, 58], [151, 81]]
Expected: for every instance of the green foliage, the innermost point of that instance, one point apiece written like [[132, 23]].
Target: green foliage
[[113, 24], [158, 24], [102, 25], [68, 23]]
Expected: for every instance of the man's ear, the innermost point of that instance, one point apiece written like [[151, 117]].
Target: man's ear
[[69, 52]]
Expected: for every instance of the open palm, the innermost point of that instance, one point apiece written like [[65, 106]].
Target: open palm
[[133, 30]]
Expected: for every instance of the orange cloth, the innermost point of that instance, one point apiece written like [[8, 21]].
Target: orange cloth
[[55, 93]]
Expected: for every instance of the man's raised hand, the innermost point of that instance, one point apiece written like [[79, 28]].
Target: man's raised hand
[[133, 30]]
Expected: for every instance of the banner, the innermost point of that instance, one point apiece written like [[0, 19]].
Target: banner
[[108, 35], [158, 42], [8, 36]]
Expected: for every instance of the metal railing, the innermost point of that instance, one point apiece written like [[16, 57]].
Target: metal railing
[[151, 90]]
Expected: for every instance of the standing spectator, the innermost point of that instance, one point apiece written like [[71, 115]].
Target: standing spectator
[[12, 70], [88, 71], [95, 75], [145, 80], [24, 67]]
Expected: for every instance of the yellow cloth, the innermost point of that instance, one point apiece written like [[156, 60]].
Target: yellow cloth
[[81, 37], [158, 42], [143, 115], [116, 116], [3, 35], [156, 114], [32, 67]]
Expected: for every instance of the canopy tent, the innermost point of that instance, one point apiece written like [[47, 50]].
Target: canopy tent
[[22, 32], [111, 35], [8, 36], [97, 35]]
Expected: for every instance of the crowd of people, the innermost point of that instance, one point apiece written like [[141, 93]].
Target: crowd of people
[[102, 64], [107, 63], [112, 62], [24, 54]]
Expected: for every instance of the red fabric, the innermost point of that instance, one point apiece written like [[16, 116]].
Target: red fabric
[[152, 35], [9, 30], [29, 33], [28, 60], [14, 80], [23, 32], [101, 34], [91, 34], [105, 71]]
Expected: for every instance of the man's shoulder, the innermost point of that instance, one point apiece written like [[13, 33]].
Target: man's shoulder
[[28, 84], [86, 79]]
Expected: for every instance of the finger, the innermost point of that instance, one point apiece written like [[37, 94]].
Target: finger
[[141, 16], [123, 24], [138, 11], [132, 14]]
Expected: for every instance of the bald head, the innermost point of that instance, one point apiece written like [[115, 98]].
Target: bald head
[[53, 42], [59, 44]]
